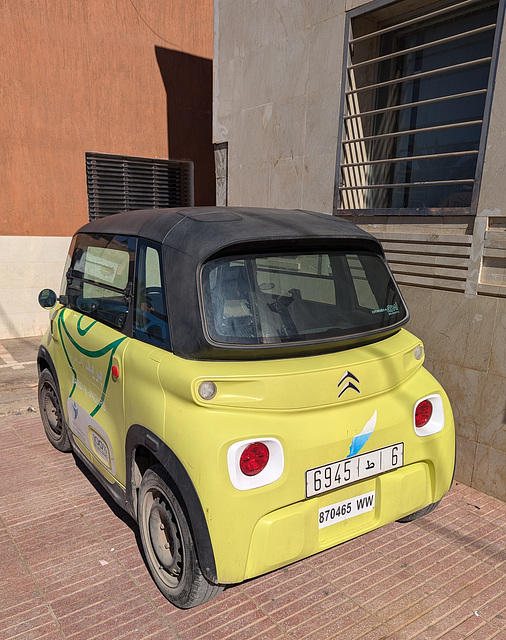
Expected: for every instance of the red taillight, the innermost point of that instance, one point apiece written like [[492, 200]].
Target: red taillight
[[254, 458], [423, 413]]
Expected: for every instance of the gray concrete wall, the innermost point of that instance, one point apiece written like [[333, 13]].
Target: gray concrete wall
[[278, 71], [277, 93]]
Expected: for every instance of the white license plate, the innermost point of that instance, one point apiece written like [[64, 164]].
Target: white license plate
[[345, 509], [338, 474]]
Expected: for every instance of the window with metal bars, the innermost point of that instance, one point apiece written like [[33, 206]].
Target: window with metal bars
[[416, 105], [124, 183]]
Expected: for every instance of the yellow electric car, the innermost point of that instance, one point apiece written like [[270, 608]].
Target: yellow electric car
[[240, 382]]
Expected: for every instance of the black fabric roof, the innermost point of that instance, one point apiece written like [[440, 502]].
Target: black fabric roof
[[191, 236], [203, 231]]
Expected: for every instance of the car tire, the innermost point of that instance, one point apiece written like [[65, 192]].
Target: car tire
[[419, 514], [168, 544], [51, 413]]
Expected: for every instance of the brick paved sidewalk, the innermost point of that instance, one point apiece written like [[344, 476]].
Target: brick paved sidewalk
[[70, 567]]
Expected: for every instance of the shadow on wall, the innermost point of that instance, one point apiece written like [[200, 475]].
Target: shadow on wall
[[188, 83], [7, 327]]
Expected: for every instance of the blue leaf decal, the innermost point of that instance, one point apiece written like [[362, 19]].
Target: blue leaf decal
[[359, 441]]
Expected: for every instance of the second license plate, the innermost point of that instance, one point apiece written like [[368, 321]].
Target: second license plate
[[346, 509], [342, 472]]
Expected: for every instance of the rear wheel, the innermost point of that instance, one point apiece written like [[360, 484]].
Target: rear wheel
[[168, 544], [419, 514], [52, 414]]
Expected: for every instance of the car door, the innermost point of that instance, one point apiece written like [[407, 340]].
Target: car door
[[144, 394], [94, 329]]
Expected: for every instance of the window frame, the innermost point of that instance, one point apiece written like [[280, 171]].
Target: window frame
[[131, 243], [142, 247], [440, 211]]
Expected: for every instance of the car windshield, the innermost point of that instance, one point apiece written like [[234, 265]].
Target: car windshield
[[291, 297]]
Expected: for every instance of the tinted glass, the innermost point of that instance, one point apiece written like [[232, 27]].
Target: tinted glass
[[98, 279], [150, 320], [263, 299]]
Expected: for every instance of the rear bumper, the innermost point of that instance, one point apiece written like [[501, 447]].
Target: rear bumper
[[293, 532]]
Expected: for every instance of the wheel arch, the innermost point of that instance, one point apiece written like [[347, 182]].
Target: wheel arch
[[143, 449], [44, 361]]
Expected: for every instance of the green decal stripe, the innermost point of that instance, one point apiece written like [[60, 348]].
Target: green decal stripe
[[83, 332], [112, 347], [106, 382], [60, 322], [93, 354]]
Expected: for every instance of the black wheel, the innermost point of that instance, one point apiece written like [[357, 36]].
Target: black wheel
[[419, 514], [52, 414], [168, 544]]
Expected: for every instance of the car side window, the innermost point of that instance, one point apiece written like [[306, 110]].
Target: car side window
[[150, 318], [99, 278]]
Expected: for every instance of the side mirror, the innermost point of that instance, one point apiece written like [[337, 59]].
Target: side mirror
[[47, 298]]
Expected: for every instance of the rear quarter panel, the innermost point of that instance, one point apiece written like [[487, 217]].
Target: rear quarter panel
[[200, 433]]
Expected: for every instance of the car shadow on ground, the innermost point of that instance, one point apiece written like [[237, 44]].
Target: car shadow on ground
[[118, 511]]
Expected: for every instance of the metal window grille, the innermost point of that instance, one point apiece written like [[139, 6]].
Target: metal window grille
[[124, 183], [415, 109]]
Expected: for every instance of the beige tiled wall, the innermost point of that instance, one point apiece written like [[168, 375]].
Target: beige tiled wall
[[465, 343], [27, 265]]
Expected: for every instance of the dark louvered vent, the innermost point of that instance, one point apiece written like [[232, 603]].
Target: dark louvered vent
[[125, 183]]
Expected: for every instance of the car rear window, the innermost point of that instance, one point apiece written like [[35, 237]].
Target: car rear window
[[298, 297]]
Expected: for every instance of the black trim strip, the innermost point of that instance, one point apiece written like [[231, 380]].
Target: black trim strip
[[183, 489]]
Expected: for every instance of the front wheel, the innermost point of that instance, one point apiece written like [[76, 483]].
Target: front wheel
[[168, 544], [52, 414]]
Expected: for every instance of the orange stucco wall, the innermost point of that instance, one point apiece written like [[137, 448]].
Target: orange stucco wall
[[83, 76]]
